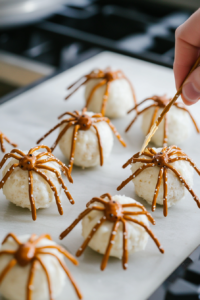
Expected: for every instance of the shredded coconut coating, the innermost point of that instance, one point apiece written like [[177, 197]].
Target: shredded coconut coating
[[120, 98], [145, 182], [137, 236], [87, 148], [16, 188], [179, 126], [14, 285]]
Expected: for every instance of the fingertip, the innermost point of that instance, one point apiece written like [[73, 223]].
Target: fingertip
[[186, 102]]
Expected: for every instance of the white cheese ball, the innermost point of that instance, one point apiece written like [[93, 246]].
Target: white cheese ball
[[145, 182], [179, 126], [14, 284], [16, 188], [120, 99], [137, 236], [87, 148]]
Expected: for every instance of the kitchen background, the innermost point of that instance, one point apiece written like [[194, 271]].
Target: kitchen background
[[40, 38]]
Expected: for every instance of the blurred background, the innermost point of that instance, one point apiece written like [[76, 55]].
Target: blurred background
[[40, 38]]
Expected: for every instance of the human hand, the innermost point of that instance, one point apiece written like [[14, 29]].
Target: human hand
[[187, 50]]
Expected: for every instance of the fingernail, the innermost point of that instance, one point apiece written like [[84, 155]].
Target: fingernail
[[190, 92]]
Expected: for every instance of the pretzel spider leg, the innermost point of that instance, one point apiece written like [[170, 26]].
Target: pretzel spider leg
[[182, 180], [77, 81], [3, 252], [64, 168], [96, 199], [137, 115], [112, 127], [132, 90], [105, 98], [89, 237], [7, 156], [165, 136], [129, 161], [106, 195], [7, 175], [85, 81], [186, 159], [9, 142], [47, 276], [3, 149], [153, 118], [165, 192], [66, 271], [73, 115], [125, 245], [10, 265], [98, 85], [54, 128], [31, 151], [136, 173], [13, 236], [193, 120], [32, 238], [61, 134], [136, 213], [79, 218], [31, 198], [30, 280], [137, 105], [43, 236], [17, 151], [73, 145], [148, 230], [157, 188], [99, 144], [110, 244], [53, 188], [61, 250], [59, 180]]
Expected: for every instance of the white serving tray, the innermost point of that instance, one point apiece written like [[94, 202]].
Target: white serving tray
[[28, 116]]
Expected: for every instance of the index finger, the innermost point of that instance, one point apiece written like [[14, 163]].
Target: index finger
[[187, 47]]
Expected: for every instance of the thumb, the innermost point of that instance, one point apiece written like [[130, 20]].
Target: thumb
[[191, 88]]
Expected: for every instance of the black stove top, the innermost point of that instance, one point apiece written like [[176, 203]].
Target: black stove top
[[136, 28]]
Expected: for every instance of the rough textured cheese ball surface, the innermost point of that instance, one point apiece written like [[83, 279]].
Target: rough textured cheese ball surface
[[87, 147], [179, 126], [16, 188], [14, 284], [119, 101], [145, 182], [137, 236]]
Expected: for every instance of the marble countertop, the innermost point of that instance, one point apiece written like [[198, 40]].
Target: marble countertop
[[28, 116]]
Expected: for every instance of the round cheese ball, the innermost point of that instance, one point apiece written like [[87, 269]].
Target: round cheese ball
[[16, 188], [137, 236], [145, 182], [87, 148], [119, 101], [178, 128], [14, 284]]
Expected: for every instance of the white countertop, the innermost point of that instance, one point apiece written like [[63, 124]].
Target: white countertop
[[28, 116]]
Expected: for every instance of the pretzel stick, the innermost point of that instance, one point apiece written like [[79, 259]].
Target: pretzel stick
[[166, 109]]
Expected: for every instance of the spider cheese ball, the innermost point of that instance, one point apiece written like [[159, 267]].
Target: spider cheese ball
[[175, 127], [33, 180], [114, 226], [33, 268], [107, 92], [2, 138], [162, 176], [85, 138]]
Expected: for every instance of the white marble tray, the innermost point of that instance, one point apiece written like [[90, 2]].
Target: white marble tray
[[28, 116]]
